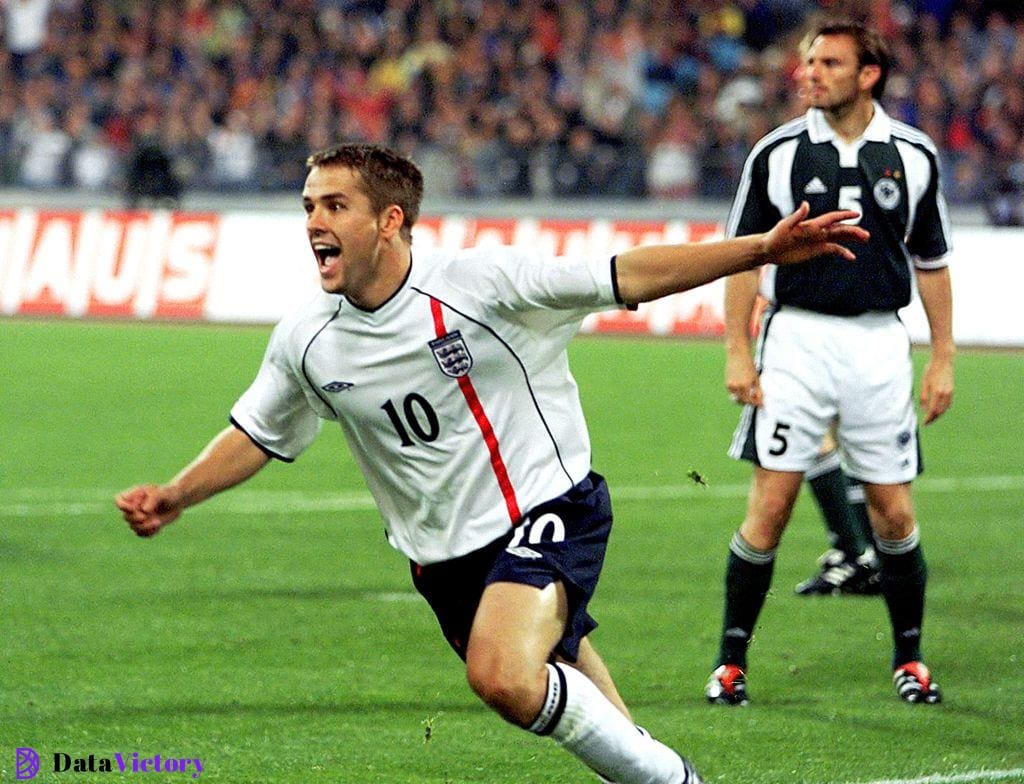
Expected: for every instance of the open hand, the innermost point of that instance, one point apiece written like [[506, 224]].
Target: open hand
[[795, 238]]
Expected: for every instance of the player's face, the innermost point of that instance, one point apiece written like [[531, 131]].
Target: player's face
[[833, 80], [343, 230]]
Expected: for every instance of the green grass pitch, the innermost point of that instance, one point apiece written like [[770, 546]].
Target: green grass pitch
[[274, 634]]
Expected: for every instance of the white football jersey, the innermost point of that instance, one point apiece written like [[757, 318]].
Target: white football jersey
[[455, 395]]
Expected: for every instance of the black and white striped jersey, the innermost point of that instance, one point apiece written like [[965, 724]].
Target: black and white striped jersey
[[455, 395], [890, 175]]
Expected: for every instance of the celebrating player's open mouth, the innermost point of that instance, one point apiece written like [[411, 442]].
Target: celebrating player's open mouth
[[324, 253]]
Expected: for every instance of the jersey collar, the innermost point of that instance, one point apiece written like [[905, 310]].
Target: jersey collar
[[878, 130]]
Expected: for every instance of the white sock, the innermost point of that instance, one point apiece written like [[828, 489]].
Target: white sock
[[585, 723]]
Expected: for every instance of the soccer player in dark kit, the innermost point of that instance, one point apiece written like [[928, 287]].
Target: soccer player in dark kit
[[832, 351]]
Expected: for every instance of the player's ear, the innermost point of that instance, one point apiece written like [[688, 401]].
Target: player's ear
[[390, 220], [868, 77]]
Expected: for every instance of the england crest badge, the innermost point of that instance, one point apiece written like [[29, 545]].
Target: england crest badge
[[452, 354]]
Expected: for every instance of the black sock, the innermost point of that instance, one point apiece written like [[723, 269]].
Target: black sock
[[904, 575], [829, 485], [748, 576], [859, 509]]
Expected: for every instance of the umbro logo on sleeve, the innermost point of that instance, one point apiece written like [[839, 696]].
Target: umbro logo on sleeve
[[337, 386]]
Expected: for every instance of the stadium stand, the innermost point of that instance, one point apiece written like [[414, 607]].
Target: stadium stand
[[522, 98]]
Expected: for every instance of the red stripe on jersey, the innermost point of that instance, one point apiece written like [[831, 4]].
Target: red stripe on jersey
[[477, 409]]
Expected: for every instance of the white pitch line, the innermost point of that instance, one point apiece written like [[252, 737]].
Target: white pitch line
[[957, 778], [66, 502]]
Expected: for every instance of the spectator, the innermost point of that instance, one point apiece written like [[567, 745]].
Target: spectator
[[25, 31], [484, 149], [550, 131], [287, 149], [1006, 206], [8, 137], [514, 161], [233, 152], [580, 168], [44, 146], [659, 74], [672, 167], [91, 161], [742, 91], [150, 177], [723, 25]]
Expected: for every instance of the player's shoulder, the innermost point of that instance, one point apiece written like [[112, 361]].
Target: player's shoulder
[[298, 326], [783, 133], [915, 136], [481, 279], [475, 256], [470, 268]]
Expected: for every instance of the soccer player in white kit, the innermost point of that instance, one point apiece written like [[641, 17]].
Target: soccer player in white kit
[[447, 372]]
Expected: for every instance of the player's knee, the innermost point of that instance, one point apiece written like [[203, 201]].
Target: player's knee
[[769, 515], [515, 694], [892, 519]]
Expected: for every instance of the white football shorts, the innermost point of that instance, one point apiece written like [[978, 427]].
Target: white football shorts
[[817, 369]]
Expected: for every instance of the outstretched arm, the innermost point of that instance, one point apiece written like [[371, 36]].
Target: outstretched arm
[[229, 459], [655, 271]]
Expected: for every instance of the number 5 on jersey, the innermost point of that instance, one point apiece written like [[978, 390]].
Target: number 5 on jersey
[[849, 199]]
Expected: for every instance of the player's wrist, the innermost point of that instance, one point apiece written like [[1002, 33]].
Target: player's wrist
[[176, 496], [762, 250], [737, 345]]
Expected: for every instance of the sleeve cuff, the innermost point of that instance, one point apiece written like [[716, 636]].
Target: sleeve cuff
[[615, 287], [931, 264], [268, 452]]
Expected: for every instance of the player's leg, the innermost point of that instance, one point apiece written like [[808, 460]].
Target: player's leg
[[781, 437], [858, 506], [590, 664], [454, 590], [850, 565], [516, 629], [878, 430], [748, 576], [841, 500], [904, 576]]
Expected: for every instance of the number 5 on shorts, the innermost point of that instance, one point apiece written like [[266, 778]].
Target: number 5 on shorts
[[779, 436]]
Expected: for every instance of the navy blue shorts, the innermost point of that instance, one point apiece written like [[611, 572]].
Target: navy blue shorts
[[563, 539]]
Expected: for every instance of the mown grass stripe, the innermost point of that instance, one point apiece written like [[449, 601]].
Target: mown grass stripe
[[957, 778], [33, 501]]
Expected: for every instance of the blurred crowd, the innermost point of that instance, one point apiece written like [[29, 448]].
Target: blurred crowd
[[512, 98]]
